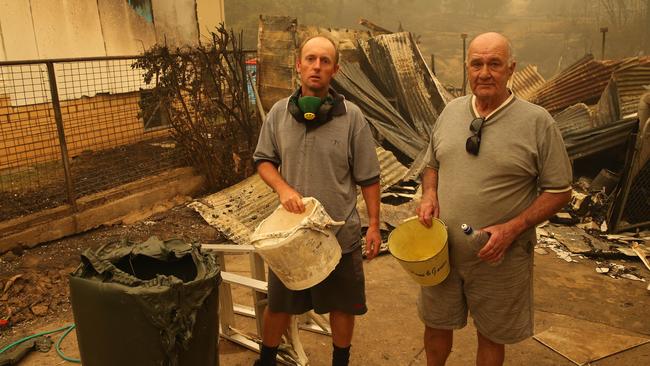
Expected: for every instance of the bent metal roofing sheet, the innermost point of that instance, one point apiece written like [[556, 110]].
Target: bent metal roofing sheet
[[237, 210], [526, 81], [582, 82]]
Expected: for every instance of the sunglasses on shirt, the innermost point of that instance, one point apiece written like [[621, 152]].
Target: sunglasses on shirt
[[473, 142]]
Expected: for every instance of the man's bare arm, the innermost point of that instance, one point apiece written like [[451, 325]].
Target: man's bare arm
[[290, 199], [428, 207], [371, 195], [502, 235]]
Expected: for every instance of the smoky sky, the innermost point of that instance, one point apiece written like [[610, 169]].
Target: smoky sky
[[550, 34]]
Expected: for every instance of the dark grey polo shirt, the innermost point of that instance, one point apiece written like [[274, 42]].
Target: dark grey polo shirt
[[325, 162]]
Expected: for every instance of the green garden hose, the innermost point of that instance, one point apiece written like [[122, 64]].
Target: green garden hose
[[67, 329]]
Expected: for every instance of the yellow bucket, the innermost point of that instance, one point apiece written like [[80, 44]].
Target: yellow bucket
[[422, 251]]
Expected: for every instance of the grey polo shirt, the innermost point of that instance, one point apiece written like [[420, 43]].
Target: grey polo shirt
[[325, 162], [521, 153]]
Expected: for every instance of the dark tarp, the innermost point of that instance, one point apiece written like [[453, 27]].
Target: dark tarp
[[153, 303]]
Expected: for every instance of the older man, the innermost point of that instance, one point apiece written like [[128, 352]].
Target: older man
[[324, 149], [497, 163]]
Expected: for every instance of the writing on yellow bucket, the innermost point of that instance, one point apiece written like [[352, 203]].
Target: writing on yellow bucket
[[422, 251]]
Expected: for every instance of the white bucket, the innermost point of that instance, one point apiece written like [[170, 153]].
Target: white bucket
[[300, 248]]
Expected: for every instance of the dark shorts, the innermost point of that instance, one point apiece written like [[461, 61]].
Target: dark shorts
[[343, 290]]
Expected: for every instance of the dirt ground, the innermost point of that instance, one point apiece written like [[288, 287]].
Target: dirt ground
[[42, 186], [35, 295]]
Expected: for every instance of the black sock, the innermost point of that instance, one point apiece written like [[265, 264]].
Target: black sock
[[340, 356], [267, 356]]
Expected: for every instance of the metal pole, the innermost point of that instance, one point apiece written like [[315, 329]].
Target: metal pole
[[603, 30], [56, 105], [433, 64], [646, 49], [464, 37]]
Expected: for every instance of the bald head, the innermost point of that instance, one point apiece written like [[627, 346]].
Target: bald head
[[489, 67], [491, 41]]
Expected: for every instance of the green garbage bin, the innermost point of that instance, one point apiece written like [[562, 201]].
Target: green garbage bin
[[153, 303]]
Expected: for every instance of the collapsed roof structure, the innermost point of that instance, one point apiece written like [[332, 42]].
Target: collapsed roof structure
[[594, 103]]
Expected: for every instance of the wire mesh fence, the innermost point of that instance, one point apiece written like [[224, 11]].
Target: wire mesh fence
[[109, 141], [30, 154], [70, 128]]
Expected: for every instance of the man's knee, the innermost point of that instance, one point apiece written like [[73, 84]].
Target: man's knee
[[489, 353], [274, 324], [439, 340], [276, 317], [341, 317], [441, 334], [486, 342]]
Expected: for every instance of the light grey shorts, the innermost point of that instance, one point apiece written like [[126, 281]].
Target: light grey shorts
[[499, 298]]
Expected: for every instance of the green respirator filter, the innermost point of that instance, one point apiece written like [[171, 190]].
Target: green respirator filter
[[309, 106]]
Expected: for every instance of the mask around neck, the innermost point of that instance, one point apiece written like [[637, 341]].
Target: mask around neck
[[309, 106]]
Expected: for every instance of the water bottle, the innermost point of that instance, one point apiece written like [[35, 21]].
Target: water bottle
[[477, 239]]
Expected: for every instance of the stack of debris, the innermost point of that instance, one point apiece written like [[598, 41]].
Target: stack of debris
[[31, 295], [595, 104], [580, 230], [611, 252], [385, 75]]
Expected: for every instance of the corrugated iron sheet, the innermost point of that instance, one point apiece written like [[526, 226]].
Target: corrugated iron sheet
[[588, 142], [620, 99], [357, 87], [392, 171], [400, 67], [398, 93], [582, 82], [630, 81], [575, 118], [607, 109], [237, 210], [526, 81]]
